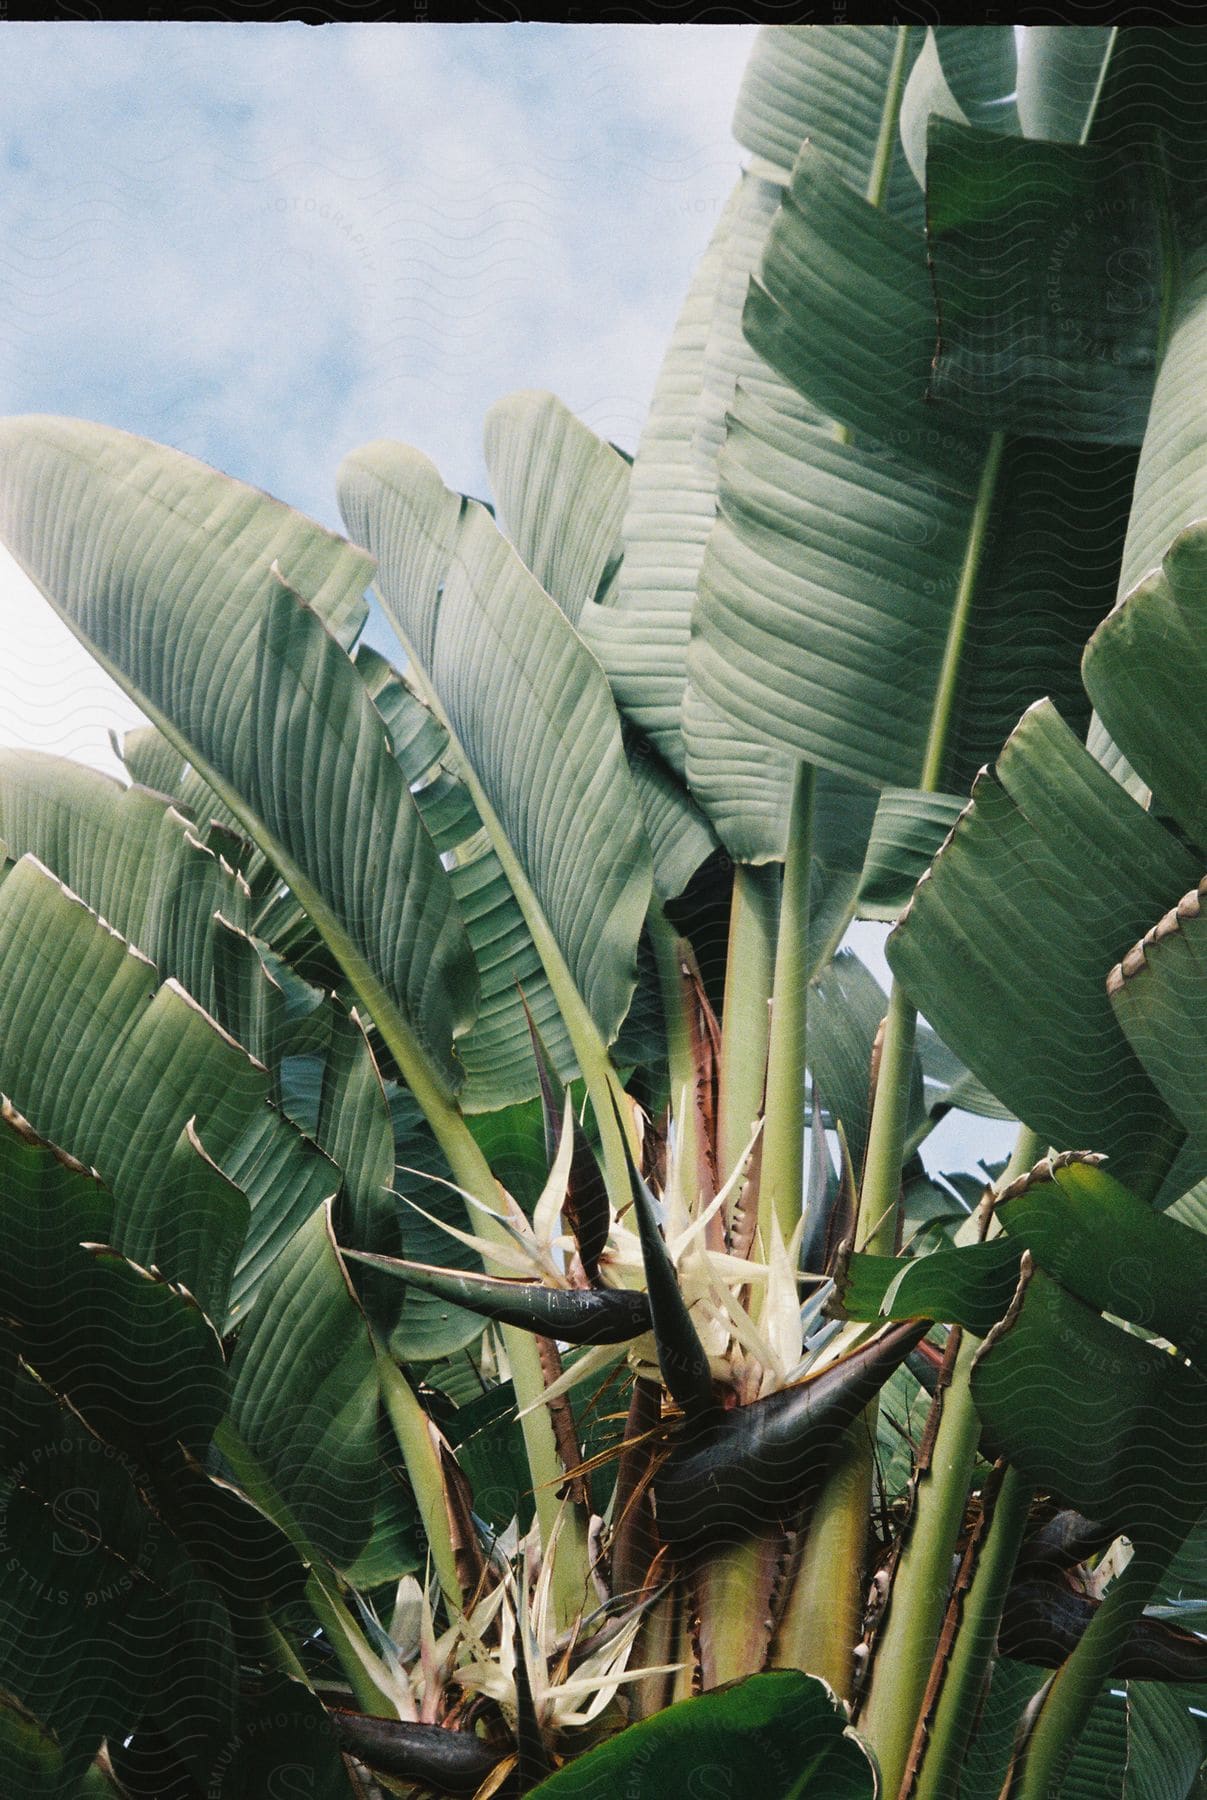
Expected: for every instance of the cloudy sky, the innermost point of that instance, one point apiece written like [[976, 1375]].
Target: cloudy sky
[[267, 244]]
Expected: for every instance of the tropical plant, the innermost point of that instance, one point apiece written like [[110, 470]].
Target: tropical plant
[[479, 1319]]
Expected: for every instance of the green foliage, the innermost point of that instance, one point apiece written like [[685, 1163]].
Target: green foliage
[[358, 1402]]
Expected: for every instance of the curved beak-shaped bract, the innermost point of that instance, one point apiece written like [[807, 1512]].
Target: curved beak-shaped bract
[[682, 1358], [570, 1315], [452, 1762], [763, 1462]]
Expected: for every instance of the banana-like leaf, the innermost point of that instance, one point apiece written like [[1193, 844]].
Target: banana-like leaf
[[120, 1076], [1099, 1418], [129, 1382], [208, 602], [141, 1363], [1008, 956], [828, 84], [1082, 1228], [304, 1399], [963, 73], [907, 832], [154, 763], [833, 87], [843, 309], [568, 1315], [782, 1732], [132, 859], [834, 567], [129, 856], [1157, 996], [561, 493], [1111, 1250], [1171, 487], [1058, 76], [1029, 244], [1146, 669], [428, 1329], [970, 1286], [528, 709], [497, 1069]]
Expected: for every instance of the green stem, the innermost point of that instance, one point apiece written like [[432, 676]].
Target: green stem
[[949, 672], [413, 1432], [876, 1230], [882, 160], [745, 1019], [821, 1620], [668, 955], [980, 1618], [782, 1182], [1078, 1682], [345, 1638], [918, 1598], [283, 1654]]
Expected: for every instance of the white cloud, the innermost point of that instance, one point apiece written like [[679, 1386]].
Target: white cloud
[[266, 245]]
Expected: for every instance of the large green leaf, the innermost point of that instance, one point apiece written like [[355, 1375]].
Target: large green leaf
[[782, 1734], [1171, 486], [529, 711], [843, 309], [818, 545], [908, 830], [1101, 1419], [1008, 940], [1046, 262], [971, 1286], [151, 761], [208, 602], [1111, 1250], [304, 1400], [109, 1379], [128, 855], [965, 73], [1058, 75], [1157, 996], [561, 493], [114, 1067], [827, 83], [832, 86], [1146, 669], [495, 1051], [828, 588], [1082, 1228]]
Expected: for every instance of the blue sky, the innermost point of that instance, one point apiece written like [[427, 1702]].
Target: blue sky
[[267, 244]]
